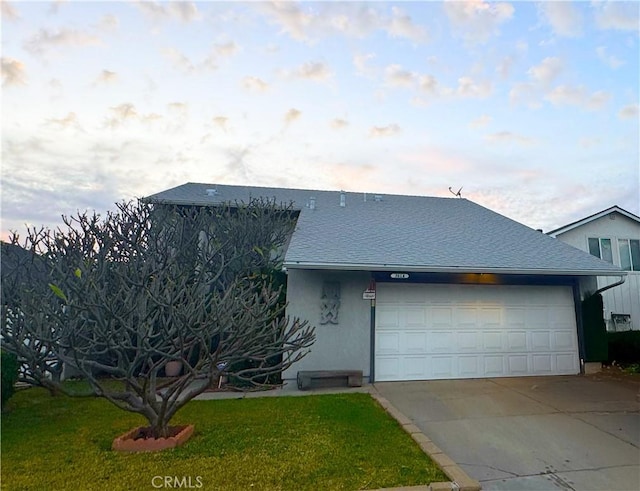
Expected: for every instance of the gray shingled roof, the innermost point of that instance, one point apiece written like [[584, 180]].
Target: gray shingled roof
[[396, 232]]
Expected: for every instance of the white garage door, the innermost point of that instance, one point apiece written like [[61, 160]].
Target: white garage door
[[428, 332]]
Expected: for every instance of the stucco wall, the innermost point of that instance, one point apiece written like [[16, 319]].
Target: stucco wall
[[342, 346], [623, 299]]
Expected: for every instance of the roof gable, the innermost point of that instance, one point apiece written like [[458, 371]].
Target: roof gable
[[378, 232], [592, 218]]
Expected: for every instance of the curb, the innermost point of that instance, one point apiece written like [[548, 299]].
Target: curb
[[460, 480]]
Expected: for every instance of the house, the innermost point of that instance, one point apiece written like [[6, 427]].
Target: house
[[614, 236], [415, 287]]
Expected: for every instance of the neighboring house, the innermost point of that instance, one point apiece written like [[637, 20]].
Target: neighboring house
[[614, 236], [460, 291]]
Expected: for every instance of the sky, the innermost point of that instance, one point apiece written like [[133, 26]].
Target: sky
[[530, 108]]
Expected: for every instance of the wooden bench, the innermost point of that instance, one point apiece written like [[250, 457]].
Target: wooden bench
[[329, 378]]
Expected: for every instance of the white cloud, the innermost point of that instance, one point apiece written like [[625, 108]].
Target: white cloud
[[546, 71], [524, 93], [8, 11], [108, 22], [565, 19], [477, 20], [504, 67], [121, 114], [69, 121], [221, 122], [255, 84], [44, 40], [289, 17], [106, 77], [630, 111], [316, 71], [467, 87], [396, 76], [508, 137], [428, 83], [338, 123], [183, 63], [13, 72], [577, 96], [292, 115], [401, 25], [360, 62], [607, 59], [481, 121], [624, 16], [226, 49], [384, 131], [158, 11]]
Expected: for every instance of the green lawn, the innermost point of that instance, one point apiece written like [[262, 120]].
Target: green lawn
[[323, 442]]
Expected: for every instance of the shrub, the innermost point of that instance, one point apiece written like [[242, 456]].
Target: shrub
[[624, 347], [9, 367]]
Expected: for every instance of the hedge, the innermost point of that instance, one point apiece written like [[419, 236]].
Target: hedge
[[9, 374], [624, 347]]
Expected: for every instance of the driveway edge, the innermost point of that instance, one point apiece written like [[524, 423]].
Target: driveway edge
[[460, 480]]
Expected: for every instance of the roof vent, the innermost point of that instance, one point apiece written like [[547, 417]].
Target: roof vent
[[212, 192], [312, 203], [343, 199], [377, 197]]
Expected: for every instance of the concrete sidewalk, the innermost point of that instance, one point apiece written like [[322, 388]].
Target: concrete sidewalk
[[531, 433]]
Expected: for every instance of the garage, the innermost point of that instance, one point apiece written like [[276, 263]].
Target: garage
[[447, 331]]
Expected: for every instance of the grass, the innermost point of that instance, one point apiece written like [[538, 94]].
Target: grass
[[326, 442]]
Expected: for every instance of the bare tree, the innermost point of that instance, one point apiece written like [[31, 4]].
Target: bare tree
[[150, 284], [24, 287]]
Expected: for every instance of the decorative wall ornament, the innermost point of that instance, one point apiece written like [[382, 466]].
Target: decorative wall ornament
[[330, 302]]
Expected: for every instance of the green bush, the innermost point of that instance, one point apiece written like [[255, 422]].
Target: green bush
[[9, 367], [624, 347]]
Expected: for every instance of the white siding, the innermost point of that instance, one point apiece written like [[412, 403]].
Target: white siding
[[623, 299]]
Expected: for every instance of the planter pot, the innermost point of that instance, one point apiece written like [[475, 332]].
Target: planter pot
[[173, 368], [135, 441]]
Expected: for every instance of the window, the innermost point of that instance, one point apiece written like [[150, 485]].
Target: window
[[629, 254], [601, 248]]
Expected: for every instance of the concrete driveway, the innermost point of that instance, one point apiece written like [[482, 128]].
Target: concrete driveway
[[531, 433]]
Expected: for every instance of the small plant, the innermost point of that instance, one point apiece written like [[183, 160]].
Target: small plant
[[633, 368], [9, 367]]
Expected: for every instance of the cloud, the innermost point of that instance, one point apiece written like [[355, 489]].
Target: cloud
[[44, 40], [183, 63], [360, 62], [316, 71], [108, 22], [623, 16], [467, 87], [384, 131], [308, 22], [396, 76], [69, 121], [291, 115], [178, 109], [477, 20], [106, 77], [290, 17], [226, 49], [609, 60], [338, 124], [428, 83], [255, 84], [630, 111], [221, 122], [8, 11], [504, 67], [546, 71], [564, 18], [13, 72], [578, 96], [157, 11], [121, 114], [402, 26], [481, 121], [508, 137], [525, 93]]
